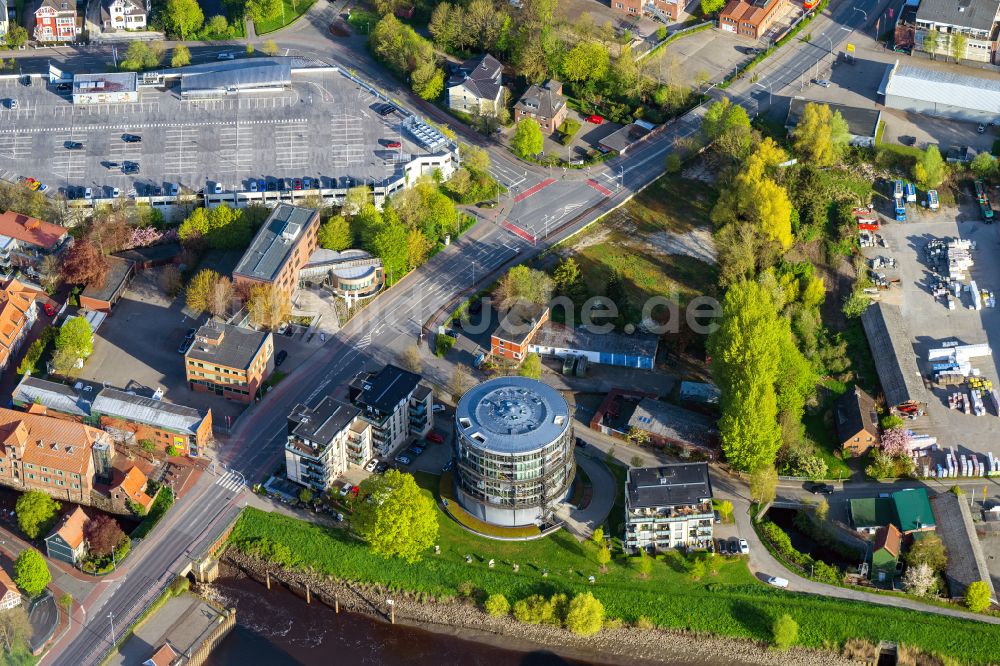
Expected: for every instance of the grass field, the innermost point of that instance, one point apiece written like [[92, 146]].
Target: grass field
[[292, 9], [728, 602]]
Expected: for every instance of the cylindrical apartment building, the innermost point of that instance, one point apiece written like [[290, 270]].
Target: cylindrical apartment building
[[513, 451]]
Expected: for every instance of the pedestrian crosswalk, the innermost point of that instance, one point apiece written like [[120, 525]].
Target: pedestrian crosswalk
[[231, 481]]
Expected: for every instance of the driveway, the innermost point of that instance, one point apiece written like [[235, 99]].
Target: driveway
[[582, 522]]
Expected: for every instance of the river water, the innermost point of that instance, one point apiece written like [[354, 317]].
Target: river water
[[278, 628]]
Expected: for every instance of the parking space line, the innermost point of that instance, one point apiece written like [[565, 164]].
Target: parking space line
[[346, 140]]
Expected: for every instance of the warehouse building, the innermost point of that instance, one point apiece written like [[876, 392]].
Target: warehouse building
[[230, 77], [895, 361], [948, 95], [109, 88], [632, 351]]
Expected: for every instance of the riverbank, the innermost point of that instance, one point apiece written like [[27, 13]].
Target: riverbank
[[463, 618]]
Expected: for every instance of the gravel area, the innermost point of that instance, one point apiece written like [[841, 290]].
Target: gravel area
[[627, 643]]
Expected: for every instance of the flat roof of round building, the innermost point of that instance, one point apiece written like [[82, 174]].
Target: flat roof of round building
[[512, 415]]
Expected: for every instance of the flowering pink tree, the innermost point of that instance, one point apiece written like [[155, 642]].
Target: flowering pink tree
[[142, 236], [896, 441]]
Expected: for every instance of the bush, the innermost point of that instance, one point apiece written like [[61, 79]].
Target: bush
[[890, 421], [977, 597], [497, 605], [442, 344], [786, 632], [535, 609], [585, 614], [180, 585], [164, 500], [173, 451]]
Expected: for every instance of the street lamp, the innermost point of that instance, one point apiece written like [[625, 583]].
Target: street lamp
[[769, 94], [111, 616]]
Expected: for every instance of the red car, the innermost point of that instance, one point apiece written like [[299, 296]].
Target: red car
[[354, 491], [298, 183], [595, 119], [393, 144], [49, 310], [435, 437]]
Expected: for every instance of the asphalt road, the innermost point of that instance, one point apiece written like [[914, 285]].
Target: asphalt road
[[255, 445]]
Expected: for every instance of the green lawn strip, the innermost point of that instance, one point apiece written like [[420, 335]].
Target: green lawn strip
[[293, 10], [672, 204], [164, 500], [428, 481], [822, 435], [739, 606]]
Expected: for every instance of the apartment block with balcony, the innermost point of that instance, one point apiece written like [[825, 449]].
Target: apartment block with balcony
[[26, 241], [668, 507], [396, 405], [323, 441]]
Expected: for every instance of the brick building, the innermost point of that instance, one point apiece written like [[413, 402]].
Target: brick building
[[229, 361], [545, 103], [25, 241], [55, 21], [280, 249], [18, 313], [57, 456], [101, 298], [750, 18], [665, 10], [513, 335]]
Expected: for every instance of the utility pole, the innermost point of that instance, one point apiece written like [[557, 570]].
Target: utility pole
[[111, 616]]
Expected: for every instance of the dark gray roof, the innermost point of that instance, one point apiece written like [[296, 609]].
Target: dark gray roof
[[275, 241], [484, 80], [519, 321], [856, 411], [138, 409], [119, 271], [700, 392], [321, 423], [132, 8], [581, 338], [239, 73], [161, 252], [860, 122], [973, 14], [622, 138], [512, 415], [541, 99], [682, 484], [674, 423], [892, 351], [55, 396], [387, 388], [237, 349]]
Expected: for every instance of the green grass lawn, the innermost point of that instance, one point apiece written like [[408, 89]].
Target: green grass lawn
[[672, 203], [728, 602], [292, 10]]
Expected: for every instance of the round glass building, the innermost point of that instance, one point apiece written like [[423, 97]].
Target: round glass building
[[513, 451]]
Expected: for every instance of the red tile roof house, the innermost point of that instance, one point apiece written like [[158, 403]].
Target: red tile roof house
[[25, 241], [55, 21], [18, 313], [9, 596], [66, 542]]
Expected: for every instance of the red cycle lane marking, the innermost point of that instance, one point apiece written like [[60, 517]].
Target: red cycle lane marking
[[534, 189], [600, 188]]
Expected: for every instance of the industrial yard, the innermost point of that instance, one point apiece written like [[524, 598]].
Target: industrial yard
[[936, 279]]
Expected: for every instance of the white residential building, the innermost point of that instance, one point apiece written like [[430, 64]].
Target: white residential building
[[668, 507], [396, 405], [124, 14], [324, 441], [480, 92]]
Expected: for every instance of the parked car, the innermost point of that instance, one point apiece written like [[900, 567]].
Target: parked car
[[190, 334], [437, 408], [174, 190], [417, 449], [297, 183], [130, 167], [355, 490], [185, 344], [280, 357], [49, 310], [372, 464], [595, 119], [744, 547], [581, 443], [218, 188], [434, 437], [226, 56], [345, 489], [115, 192], [253, 185], [718, 516], [26, 80], [448, 465], [112, 166], [73, 145], [12, 104], [63, 87], [88, 193], [392, 144], [981, 128], [261, 185], [822, 82], [820, 488], [777, 581], [131, 138], [403, 459], [381, 467], [385, 109]]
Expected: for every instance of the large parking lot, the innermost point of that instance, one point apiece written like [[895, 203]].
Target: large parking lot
[[930, 323], [324, 127]]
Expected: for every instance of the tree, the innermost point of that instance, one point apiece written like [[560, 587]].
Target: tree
[[820, 134], [199, 291], [984, 165], [523, 285], [597, 536], [919, 580], [218, 25], [16, 37], [181, 56], [170, 280], [585, 614], [725, 510], [103, 535], [643, 563], [745, 368], [931, 41], [895, 441], [77, 337], [262, 10], [977, 596], [637, 436], [221, 297], [141, 55], [183, 17], [36, 513], [712, 6], [84, 264], [497, 605], [764, 484], [822, 510], [603, 556], [459, 383], [394, 517], [15, 628], [929, 169], [527, 140], [31, 573], [723, 116], [412, 360], [567, 279], [585, 62], [786, 632], [270, 47], [531, 366], [305, 496], [958, 42], [50, 278], [928, 550], [268, 305]]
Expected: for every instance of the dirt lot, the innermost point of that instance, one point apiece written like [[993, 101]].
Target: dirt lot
[[930, 322]]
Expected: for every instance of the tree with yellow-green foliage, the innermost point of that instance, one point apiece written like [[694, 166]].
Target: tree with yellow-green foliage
[[820, 135], [757, 198], [929, 170]]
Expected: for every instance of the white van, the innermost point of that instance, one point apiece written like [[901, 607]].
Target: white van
[[777, 582]]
